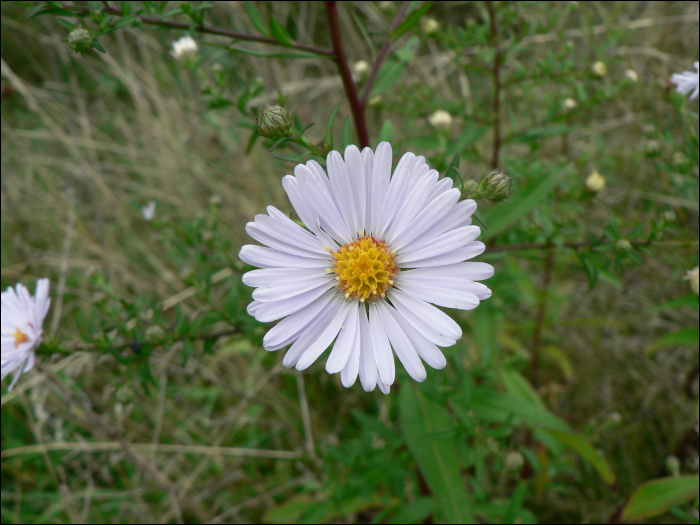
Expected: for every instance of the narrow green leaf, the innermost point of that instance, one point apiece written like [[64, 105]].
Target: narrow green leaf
[[34, 11], [497, 407], [421, 419], [416, 511], [255, 18], [258, 53], [521, 388], [580, 444], [542, 133], [65, 23], [411, 21], [95, 6], [126, 8], [98, 46], [280, 34], [591, 269], [187, 351], [453, 167], [658, 495], [346, 135], [387, 132], [684, 337], [688, 301], [331, 121], [124, 22], [387, 77], [503, 216]]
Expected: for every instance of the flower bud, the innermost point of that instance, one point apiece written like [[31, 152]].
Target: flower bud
[[185, 48], [496, 186], [692, 276], [514, 461], [441, 119], [673, 464], [361, 67], [599, 69], [595, 182], [669, 216], [429, 25], [632, 75], [154, 333], [569, 104], [274, 122], [80, 40], [623, 245], [679, 159]]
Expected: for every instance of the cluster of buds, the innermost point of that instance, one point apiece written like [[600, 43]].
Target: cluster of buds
[[496, 186], [80, 40], [274, 122]]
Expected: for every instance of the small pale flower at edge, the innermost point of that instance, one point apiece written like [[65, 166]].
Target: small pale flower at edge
[[692, 276], [429, 25], [378, 252], [599, 69], [687, 82], [22, 320], [184, 48]]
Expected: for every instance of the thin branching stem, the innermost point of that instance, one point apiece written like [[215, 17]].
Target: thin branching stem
[[199, 28], [496, 71], [383, 52], [341, 59]]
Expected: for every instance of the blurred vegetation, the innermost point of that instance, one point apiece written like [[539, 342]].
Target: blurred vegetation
[[152, 399]]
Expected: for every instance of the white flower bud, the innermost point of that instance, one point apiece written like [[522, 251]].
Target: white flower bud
[[429, 25], [632, 75], [692, 276], [595, 182], [149, 211], [514, 461], [184, 48], [154, 333], [569, 103], [441, 119], [599, 69], [361, 67]]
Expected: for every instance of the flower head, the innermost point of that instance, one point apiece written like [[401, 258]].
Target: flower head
[[441, 119], [687, 82], [429, 25], [22, 318], [694, 278], [595, 182], [80, 40], [376, 251], [184, 48], [599, 69], [149, 211]]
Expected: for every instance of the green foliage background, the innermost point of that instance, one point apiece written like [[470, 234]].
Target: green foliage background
[[153, 400]]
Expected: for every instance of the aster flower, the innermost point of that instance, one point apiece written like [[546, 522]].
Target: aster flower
[[376, 252], [687, 81], [22, 318]]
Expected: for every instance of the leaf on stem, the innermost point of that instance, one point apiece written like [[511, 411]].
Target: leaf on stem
[[331, 121], [658, 495], [255, 18], [411, 21]]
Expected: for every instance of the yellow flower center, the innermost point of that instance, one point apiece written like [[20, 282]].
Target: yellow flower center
[[365, 268], [20, 337]]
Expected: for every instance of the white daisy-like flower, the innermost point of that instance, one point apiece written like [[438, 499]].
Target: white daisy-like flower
[[184, 47], [22, 318], [149, 211], [378, 249], [687, 82]]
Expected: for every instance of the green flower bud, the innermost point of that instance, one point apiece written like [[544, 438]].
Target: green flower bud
[[496, 186], [274, 122], [80, 40], [623, 245]]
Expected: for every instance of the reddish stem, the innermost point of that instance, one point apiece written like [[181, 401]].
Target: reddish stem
[[358, 112], [497, 59]]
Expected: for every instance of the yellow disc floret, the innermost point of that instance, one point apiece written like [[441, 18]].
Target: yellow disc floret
[[365, 268], [20, 337]]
